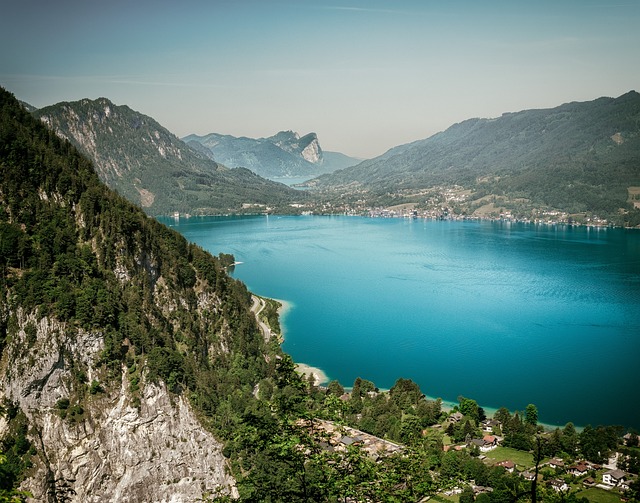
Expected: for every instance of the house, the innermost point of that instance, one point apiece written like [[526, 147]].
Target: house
[[589, 482], [483, 444], [510, 466], [559, 485], [527, 475], [556, 463], [489, 424], [481, 489], [613, 478], [579, 469], [490, 440], [456, 417]]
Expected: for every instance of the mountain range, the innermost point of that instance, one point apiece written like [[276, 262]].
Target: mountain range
[[577, 157], [151, 167], [284, 154], [580, 158]]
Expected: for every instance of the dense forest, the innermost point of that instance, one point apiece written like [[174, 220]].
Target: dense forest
[[74, 251]]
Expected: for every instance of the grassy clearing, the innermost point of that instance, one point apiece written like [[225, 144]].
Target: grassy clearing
[[597, 495], [441, 498], [520, 458]]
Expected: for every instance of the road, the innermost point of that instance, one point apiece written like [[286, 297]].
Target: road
[[257, 307]]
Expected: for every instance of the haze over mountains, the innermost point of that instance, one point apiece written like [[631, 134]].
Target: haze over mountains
[[284, 154]]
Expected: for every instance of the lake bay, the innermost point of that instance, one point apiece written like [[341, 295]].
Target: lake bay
[[504, 313]]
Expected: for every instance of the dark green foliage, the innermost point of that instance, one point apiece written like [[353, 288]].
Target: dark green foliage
[[597, 443], [76, 251], [335, 388], [95, 388], [531, 415], [15, 449]]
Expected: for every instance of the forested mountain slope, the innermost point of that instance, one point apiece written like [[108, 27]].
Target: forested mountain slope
[[575, 157], [151, 167], [119, 339]]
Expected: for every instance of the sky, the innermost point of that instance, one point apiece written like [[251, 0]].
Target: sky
[[364, 75]]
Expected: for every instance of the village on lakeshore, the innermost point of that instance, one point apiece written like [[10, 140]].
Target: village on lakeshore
[[569, 473], [442, 203]]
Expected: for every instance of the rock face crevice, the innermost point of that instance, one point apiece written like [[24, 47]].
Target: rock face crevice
[[156, 451]]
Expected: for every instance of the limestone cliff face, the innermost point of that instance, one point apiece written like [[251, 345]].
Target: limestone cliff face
[[307, 146], [311, 151], [155, 450]]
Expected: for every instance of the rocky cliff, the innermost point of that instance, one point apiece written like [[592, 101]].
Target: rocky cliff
[[127, 354], [113, 449], [285, 154]]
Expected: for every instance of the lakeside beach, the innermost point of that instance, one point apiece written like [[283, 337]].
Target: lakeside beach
[[319, 376]]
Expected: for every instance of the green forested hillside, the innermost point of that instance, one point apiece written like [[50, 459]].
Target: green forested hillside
[[577, 157], [73, 251], [144, 162]]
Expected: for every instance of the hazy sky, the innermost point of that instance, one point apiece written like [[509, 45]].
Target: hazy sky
[[365, 75]]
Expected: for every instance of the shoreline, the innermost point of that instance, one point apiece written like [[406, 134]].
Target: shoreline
[[284, 309], [319, 377], [448, 405], [367, 214]]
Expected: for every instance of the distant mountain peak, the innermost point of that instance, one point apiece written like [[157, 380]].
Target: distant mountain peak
[[283, 136], [285, 154]]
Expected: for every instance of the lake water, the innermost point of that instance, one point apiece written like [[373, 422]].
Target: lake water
[[507, 314]]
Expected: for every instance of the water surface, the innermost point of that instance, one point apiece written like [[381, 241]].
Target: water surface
[[507, 314]]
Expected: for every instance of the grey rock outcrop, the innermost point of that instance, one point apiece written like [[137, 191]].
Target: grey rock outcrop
[[154, 450]]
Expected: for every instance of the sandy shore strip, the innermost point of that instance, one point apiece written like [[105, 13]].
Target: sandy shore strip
[[318, 375], [302, 368], [283, 310]]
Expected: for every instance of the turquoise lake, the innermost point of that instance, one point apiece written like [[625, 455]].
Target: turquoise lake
[[507, 314]]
